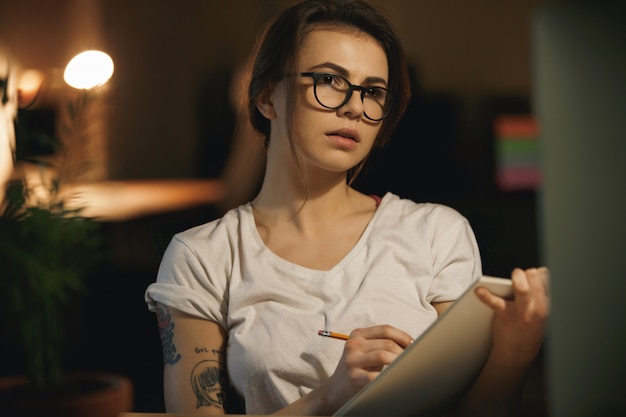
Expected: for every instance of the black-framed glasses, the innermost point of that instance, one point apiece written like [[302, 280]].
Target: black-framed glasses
[[333, 91]]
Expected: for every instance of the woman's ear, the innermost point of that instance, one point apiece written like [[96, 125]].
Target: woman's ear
[[265, 103]]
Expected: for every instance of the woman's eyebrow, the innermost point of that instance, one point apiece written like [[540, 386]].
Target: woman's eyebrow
[[345, 73]]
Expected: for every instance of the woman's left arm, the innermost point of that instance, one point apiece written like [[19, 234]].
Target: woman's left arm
[[519, 328]]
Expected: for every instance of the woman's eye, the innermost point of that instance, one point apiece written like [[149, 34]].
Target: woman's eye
[[334, 81], [373, 92], [328, 79]]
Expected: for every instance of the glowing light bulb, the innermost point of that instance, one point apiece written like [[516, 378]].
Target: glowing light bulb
[[88, 69]]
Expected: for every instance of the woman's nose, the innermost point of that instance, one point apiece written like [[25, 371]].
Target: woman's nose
[[353, 107]]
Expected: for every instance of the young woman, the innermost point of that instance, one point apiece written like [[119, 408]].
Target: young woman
[[240, 300]]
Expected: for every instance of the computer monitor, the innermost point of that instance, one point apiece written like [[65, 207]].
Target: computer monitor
[[579, 98]]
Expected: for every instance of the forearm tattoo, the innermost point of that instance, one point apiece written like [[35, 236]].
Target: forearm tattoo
[[208, 380], [166, 330]]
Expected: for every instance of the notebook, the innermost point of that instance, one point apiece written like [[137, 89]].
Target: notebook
[[439, 365]]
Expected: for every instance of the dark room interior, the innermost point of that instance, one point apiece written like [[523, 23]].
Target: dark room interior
[[168, 114]]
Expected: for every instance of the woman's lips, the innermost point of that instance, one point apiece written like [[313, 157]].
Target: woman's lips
[[346, 133], [343, 140]]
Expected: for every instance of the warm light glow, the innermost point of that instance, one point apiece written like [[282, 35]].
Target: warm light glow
[[28, 86], [30, 80], [88, 69]]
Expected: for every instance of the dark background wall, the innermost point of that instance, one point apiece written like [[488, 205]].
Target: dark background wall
[[165, 52], [167, 116]]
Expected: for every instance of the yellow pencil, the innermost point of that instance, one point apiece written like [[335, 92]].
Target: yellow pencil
[[334, 335]]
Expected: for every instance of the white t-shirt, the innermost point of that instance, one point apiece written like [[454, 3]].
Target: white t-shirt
[[409, 256]]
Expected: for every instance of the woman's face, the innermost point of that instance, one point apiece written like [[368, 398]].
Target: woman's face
[[333, 140]]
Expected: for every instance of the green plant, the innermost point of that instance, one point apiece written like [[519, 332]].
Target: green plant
[[46, 253]]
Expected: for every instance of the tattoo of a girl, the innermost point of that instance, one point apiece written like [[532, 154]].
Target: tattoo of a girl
[[207, 382]]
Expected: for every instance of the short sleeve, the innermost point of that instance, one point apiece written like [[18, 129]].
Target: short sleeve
[[456, 256], [190, 283]]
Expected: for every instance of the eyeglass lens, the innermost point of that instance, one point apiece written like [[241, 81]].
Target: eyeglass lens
[[333, 91]]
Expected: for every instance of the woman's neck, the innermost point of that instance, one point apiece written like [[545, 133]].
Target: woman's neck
[[306, 195], [290, 187], [291, 199], [339, 215]]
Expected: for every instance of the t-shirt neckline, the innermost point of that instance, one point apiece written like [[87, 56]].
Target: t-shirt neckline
[[250, 225]]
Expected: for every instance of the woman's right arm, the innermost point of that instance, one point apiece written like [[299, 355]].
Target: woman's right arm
[[194, 363]]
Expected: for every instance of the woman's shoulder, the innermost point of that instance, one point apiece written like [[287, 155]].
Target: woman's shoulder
[[404, 219], [405, 216], [215, 231], [404, 207]]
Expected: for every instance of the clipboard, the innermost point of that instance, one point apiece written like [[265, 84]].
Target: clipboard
[[439, 366]]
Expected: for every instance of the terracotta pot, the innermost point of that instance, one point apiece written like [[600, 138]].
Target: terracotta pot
[[86, 395]]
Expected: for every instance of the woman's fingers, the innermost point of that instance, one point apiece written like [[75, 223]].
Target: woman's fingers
[[494, 302], [530, 289], [531, 299], [521, 286], [540, 279], [370, 349], [386, 332], [376, 353]]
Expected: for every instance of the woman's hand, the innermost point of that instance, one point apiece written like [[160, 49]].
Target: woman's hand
[[365, 354], [367, 351], [519, 325]]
